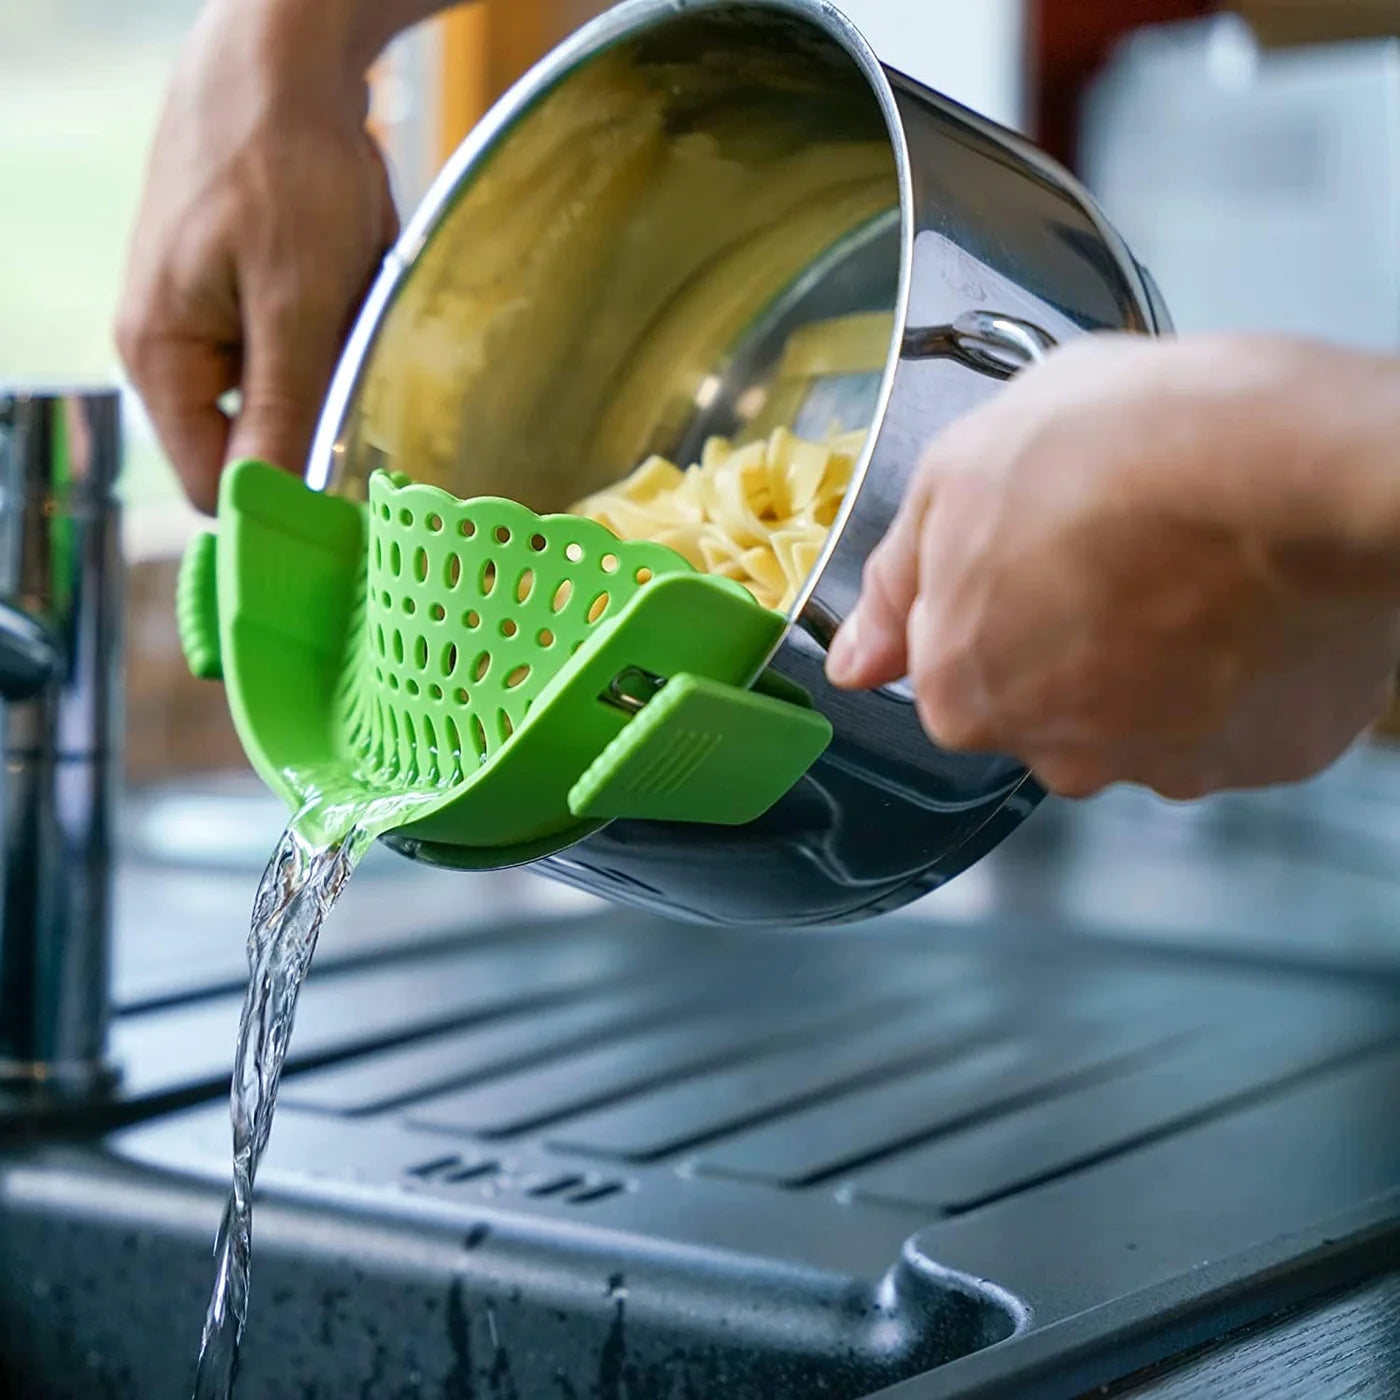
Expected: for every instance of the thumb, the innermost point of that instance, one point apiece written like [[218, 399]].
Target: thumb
[[871, 648]]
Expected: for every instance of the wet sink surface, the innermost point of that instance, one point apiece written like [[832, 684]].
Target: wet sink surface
[[597, 1155]]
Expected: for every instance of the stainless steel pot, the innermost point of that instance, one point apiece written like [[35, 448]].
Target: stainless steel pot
[[615, 263]]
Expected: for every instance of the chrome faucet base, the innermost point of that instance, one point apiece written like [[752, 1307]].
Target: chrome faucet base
[[60, 735]]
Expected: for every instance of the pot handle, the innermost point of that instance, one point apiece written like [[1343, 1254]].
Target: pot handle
[[986, 341]]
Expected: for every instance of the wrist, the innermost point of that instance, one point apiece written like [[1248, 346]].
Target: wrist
[[304, 51], [349, 34], [309, 52]]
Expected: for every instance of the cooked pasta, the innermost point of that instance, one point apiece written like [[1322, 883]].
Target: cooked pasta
[[758, 513]]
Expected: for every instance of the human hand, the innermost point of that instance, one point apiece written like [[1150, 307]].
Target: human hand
[[1170, 563], [266, 211]]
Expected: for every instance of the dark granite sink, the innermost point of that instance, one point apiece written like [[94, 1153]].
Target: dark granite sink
[[406, 1301], [589, 1154], [620, 1159]]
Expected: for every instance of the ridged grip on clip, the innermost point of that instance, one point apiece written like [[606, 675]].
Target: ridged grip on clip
[[197, 608]]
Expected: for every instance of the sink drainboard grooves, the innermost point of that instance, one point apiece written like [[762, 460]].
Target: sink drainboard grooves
[[574, 1188]]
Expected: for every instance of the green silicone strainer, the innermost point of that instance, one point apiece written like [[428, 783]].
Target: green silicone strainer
[[474, 674]]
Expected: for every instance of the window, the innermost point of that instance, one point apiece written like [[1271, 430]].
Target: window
[[80, 91]]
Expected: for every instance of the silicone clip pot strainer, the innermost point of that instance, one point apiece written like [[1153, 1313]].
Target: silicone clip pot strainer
[[474, 674]]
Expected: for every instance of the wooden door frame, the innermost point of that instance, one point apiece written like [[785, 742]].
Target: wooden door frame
[[484, 47]]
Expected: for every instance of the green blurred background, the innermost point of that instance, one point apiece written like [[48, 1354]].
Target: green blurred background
[[80, 91]]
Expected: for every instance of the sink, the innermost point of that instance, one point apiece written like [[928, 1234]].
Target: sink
[[407, 1299], [594, 1154]]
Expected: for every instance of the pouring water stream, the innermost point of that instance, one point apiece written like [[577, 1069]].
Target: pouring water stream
[[308, 871]]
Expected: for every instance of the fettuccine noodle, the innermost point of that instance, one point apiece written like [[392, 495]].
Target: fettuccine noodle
[[758, 514]]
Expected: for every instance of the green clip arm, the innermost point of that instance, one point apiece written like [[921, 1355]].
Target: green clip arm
[[702, 751]]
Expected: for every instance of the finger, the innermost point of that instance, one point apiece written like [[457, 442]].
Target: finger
[[291, 349], [295, 322], [950, 692], [870, 649], [180, 381]]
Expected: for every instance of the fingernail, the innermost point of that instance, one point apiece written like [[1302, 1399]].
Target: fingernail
[[841, 659]]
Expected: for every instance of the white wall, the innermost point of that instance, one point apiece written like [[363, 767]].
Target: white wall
[[975, 51]]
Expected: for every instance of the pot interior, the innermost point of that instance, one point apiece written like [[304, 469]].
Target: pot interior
[[689, 225]]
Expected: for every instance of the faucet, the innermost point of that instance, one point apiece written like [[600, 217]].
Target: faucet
[[60, 734]]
